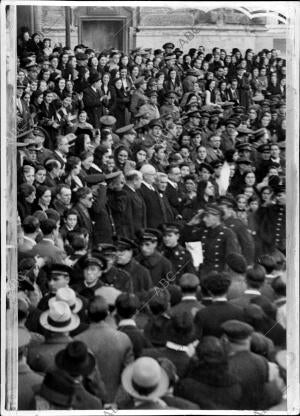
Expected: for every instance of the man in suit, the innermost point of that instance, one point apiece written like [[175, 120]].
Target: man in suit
[[58, 321], [61, 150], [172, 192], [31, 228], [179, 348], [154, 213], [213, 149], [112, 348], [255, 279], [189, 284], [126, 306], [135, 206], [92, 100], [208, 321], [46, 247], [27, 378]]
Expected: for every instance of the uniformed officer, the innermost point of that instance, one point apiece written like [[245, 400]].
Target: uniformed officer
[[270, 223], [217, 240], [244, 237], [180, 258]]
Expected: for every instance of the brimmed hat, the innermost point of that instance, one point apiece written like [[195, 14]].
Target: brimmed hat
[[75, 359], [168, 45], [93, 257], [236, 330], [213, 209], [109, 293], [149, 234], [180, 329], [58, 268], [126, 129], [59, 318], [145, 379], [123, 243], [108, 120], [66, 294]]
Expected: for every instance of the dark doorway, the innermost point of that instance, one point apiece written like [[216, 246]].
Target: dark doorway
[[103, 34]]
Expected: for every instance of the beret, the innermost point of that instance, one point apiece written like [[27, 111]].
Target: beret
[[236, 330]]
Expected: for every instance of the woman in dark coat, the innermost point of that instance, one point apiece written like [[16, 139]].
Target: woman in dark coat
[[26, 198], [209, 383], [109, 93], [121, 108]]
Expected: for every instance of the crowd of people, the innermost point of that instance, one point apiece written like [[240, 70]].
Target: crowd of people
[[151, 227]]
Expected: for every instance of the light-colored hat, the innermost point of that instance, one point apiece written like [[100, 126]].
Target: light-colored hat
[[59, 318], [66, 294], [109, 293], [147, 374]]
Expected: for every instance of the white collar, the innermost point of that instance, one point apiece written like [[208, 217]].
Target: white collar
[[189, 297], [48, 239], [151, 187], [130, 187], [219, 299], [29, 239], [127, 322], [177, 347], [173, 184], [252, 292]]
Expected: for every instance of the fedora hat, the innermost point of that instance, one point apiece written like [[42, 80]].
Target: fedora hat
[[75, 359], [59, 318], [145, 379], [66, 294]]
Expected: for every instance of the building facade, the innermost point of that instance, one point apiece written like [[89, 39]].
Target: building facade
[[126, 28]]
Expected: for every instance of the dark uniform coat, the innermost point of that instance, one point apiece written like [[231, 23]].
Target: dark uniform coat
[[158, 266], [180, 259], [244, 237], [154, 211], [140, 278], [217, 243], [271, 233]]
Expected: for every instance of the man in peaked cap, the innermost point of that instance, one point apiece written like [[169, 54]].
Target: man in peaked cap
[[256, 374], [179, 257], [140, 276], [217, 240], [158, 265], [151, 106], [127, 136], [245, 239], [229, 135], [169, 106]]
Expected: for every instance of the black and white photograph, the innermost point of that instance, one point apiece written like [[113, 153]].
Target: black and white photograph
[[149, 208]]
